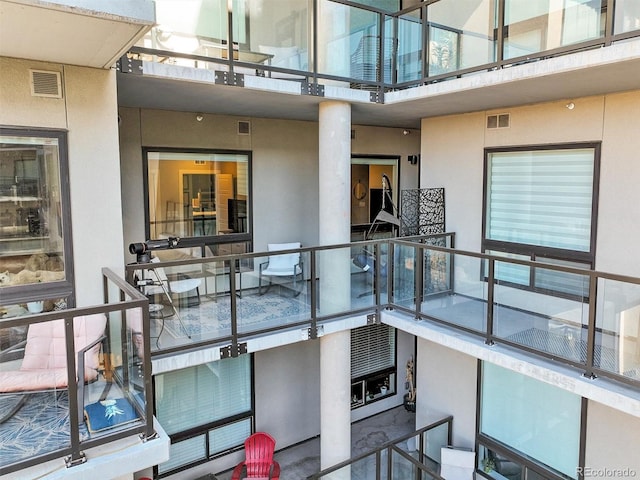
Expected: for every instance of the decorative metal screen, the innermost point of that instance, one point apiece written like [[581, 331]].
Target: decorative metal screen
[[422, 211]]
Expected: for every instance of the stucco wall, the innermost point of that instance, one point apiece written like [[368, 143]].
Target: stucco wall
[[612, 442], [88, 112], [435, 367], [284, 162], [453, 155]]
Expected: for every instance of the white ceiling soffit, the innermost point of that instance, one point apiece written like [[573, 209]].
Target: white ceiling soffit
[[85, 34]]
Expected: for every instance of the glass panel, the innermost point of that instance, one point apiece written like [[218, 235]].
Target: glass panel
[[410, 46], [506, 272], [40, 423], [197, 194], [547, 323], [229, 436], [533, 27], [461, 37], [436, 438], [280, 33], [404, 280], [203, 394], [541, 198], [437, 268], [532, 417], [184, 453], [466, 305], [283, 295], [627, 16], [334, 281], [32, 227], [556, 281], [365, 277], [348, 41], [617, 346]]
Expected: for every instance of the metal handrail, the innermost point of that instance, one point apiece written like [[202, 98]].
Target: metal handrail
[[391, 445]]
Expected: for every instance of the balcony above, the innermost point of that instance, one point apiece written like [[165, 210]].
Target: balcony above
[[87, 33]]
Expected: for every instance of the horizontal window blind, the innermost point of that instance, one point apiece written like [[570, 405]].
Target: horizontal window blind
[[183, 453], [373, 348], [203, 394], [229, 436], [541, 197]]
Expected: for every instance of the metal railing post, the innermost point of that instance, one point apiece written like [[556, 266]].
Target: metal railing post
[[419, 253], [490, 293], [591, 330]]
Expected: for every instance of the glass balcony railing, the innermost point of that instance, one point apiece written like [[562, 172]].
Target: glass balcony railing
[[370, 48], [416, 455], [74, 379], [580, 317]]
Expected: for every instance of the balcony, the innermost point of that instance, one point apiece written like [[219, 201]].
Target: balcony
[[421, 61], [53, 418], [582, 320]]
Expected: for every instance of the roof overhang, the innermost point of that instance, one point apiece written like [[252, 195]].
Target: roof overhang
[[89, 33]]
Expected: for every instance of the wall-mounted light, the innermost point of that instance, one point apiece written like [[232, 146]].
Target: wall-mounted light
[[413, 159], [199, 117], [570, 105], [406, 132]]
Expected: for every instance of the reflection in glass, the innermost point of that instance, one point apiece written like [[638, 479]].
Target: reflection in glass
[[31, 222], [197, 194]]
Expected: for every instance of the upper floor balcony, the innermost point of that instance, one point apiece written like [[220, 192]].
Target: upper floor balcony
[[368, 55], [192, 311]]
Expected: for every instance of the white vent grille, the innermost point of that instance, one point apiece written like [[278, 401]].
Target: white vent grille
[[502, 120], [45, 84], [244, 128]]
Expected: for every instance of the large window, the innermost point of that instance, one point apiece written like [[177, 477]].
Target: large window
[[529, 424], [541, 204], [206, 410], [198, 194], [35, 243]]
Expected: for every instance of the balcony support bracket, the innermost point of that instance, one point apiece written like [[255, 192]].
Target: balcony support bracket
[[72, 462], [229, 78], [373, 319], [229, 351], [127, 64], [313, 89]]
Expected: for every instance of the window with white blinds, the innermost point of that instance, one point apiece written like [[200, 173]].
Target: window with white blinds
[[373, 348], [199, 396], [541, 197]]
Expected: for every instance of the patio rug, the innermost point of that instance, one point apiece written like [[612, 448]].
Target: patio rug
[[40, 426], [212, 318]]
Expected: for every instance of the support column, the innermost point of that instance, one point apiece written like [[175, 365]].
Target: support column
[[335, 282]]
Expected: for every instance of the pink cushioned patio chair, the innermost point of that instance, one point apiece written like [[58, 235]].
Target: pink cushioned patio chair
[[44, 366]]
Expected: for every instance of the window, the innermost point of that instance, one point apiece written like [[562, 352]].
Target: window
[[203, 194], [373, 363], [529, 419], [207, 410], [35, 226], [541, 203]]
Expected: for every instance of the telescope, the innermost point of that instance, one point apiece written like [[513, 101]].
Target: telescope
[[142, 250]]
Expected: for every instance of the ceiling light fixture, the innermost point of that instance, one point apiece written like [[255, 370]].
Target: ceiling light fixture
[[570, 105]]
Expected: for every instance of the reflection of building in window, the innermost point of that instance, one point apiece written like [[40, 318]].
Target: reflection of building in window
[[31, 227]]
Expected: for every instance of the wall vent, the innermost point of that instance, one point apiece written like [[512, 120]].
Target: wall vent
[[45, 84], [501, 120], [244, 128]]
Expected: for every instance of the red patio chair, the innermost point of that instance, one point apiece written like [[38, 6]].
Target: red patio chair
[[259, 462]]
